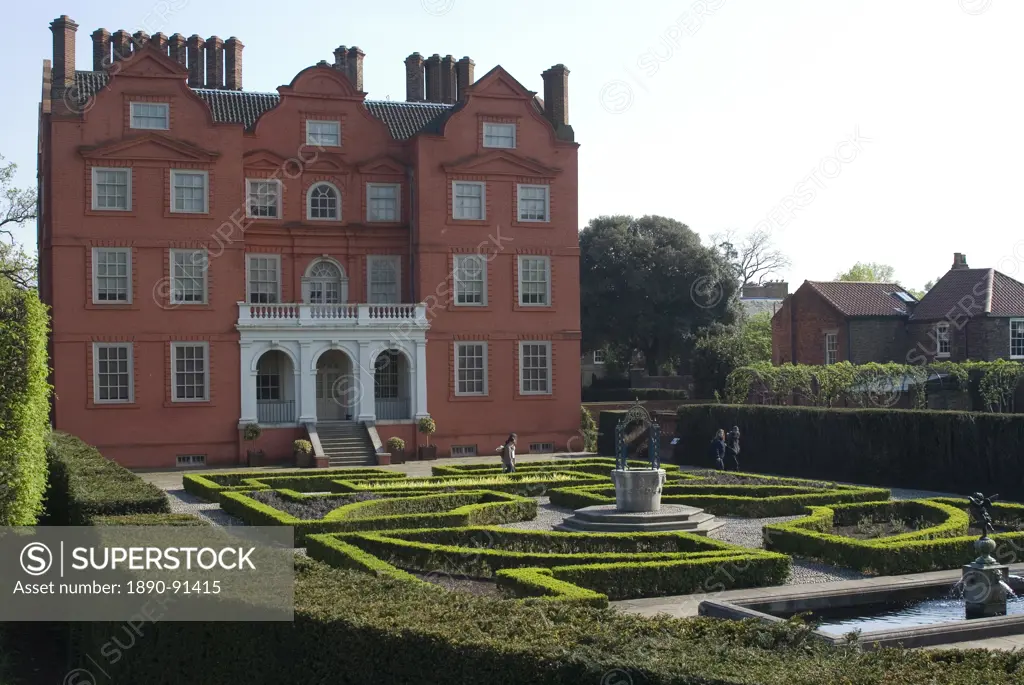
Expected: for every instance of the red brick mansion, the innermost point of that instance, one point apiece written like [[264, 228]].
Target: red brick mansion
[[307, 259]]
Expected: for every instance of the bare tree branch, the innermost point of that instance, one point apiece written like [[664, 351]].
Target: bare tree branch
[[754, 256], [17, 206]]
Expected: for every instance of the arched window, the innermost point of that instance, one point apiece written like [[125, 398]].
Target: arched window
[[323, 203], [326, 284]]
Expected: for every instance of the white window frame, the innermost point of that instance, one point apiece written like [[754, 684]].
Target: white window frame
[[519, 202], [394, 259], [95, 275], [455, 369], [167, 116], [455, 280], [398, 202], [1021, 324], [522, 347], [206, 274], [206, 372], [547, 295], [206, 190], [834, 337], [483, 200], [310, 141], [497, 125], [128, 190], [96, 373], [249, 256], [280, 198], [599, 359], [942, 336], [309, 201]]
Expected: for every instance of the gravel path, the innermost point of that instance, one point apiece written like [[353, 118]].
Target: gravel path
[[548, 516], [185, 503]]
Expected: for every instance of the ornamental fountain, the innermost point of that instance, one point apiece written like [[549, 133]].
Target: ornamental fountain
[[985, 581]]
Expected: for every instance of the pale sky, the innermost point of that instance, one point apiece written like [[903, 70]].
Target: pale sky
[[892, 129]]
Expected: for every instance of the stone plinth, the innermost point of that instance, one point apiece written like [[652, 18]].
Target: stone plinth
[[638, 490], [607, 518]]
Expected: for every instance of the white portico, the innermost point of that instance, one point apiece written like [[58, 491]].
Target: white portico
[[304, 363]]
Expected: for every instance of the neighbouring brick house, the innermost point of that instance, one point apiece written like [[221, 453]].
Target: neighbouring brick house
[[307, 259], [969, 314]]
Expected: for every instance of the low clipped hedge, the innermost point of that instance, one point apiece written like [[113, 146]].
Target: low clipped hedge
[[592, 394], [943, 546], [597, 466], [150, 520], [404, 633], [619, 566], [393, 510], [778, 497], [541, 584], [526, 484], [24, 403], [83, 484], [209, 486]]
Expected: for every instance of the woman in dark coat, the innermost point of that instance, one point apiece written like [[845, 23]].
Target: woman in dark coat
[[732, 447], [718, 450]]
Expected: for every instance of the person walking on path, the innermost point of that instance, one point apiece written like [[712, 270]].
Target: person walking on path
[[732, 447], [718, 450], [508, 454]]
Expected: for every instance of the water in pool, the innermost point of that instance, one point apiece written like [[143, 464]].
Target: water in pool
[[896, 616]]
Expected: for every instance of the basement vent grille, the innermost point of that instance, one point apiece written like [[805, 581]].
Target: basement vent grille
[[191, 460], [463, 450], [542, 447]]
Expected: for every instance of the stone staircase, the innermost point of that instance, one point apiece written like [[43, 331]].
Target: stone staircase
[[346, 443]]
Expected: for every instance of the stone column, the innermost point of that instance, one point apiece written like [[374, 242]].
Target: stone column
[[421, 380], [306, 384], [248, 389], [365, 384]]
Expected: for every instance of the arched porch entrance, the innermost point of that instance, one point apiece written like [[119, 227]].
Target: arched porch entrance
[[392, 386], [337, 392], [276, 393]]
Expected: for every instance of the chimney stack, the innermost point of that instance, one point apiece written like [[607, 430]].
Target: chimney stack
[[177, 49], [122, 45], [434, 78], [214, 63], [63, 73], [959, 261], [448, 84], [195, 61], [100, 49], [556, 100], [341, 59], [463, 77], [161, 42], [139, 38], [355, 67], [414, 78], [233, 64]]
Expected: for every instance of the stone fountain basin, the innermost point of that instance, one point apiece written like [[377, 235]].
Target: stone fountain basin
[[776, 605]]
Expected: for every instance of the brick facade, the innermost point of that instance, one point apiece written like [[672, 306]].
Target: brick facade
[[799, 328]]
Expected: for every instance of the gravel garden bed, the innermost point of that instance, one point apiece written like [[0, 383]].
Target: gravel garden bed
[[311, 509], [711, 477]]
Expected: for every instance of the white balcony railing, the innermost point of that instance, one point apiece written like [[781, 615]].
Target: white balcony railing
[[287, 315]]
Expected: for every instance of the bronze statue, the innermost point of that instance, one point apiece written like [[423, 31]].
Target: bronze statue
[[981, 506]]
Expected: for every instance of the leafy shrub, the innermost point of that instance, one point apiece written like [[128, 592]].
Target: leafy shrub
[[588, 427], [944, 451], [396, 444], [24, 404], [83, 484], [302, 446]]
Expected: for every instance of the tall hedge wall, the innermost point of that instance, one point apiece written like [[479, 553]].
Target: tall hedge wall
[[945, 451], [24, 404]]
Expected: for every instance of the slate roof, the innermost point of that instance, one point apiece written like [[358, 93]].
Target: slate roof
[[991, 293], [856, 298], [403, 119]]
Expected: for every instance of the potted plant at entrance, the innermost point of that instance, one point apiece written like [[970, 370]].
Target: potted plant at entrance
[[397, 448], [427, 427], [252, 433], [303, 452]]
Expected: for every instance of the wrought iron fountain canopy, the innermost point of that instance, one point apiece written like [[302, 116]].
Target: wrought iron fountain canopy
[[637, 415]]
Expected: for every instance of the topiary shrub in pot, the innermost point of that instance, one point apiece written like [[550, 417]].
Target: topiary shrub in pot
[[252, 433], [428, 428], [302, 450], [396, 446]]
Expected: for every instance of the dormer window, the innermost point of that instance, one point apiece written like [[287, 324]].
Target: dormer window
[[151, 115], [499, 135], [323, 133]]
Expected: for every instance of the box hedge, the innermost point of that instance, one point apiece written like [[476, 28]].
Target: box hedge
[[943, 451], [593, 394], [83, 484], [208, 486], [24, 404], [597, 466]]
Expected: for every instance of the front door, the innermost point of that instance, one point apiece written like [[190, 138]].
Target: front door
[[331, 397]]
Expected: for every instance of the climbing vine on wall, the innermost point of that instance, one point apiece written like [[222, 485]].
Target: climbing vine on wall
[[871, 385]]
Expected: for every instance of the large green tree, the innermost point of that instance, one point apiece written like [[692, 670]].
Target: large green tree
[[648, 284], [17, 206], [869, 271], [721, 349]]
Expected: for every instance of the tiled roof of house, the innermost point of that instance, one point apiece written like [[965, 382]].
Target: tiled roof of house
[[857, 298], [989, 291], [403, 119]]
